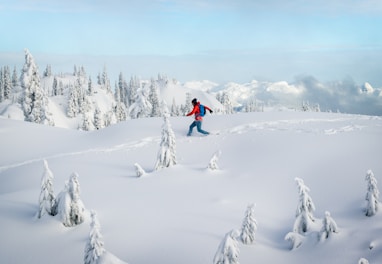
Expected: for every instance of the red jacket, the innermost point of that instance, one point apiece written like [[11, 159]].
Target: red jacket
[[196, 111]]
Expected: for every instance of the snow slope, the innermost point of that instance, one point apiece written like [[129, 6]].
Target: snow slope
[[181, 214]]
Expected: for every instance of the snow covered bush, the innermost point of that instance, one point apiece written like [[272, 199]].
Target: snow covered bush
[[213, 165], [228, 250], [372, 194], [167, 154], [249, 226], [94, 245], [47, 199], [139, 171], [328, 226], [295, 239], [69, 206], [305, 208], [363, 261]]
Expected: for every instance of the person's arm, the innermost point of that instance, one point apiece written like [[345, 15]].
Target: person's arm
[[192, 112], [209, 109]]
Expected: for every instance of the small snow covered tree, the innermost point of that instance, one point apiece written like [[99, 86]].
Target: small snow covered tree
[[167, 153], [249, 226], [305, 208], [98, 119], [363, 261], [139, 171], [295, 239], [87, 123], [372, 194], [225, 100], [7, 83], [213, 165], [69, 205], [175, 111], [47, 199], [328, 226], [15, 78], [94, 245], [141, 106], [228, 250]]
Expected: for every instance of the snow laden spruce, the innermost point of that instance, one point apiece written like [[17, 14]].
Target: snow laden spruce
[[249, 226], [305, 222], [68, 204], [47, 198], [167, 152], [94, 246], [372, 194], [228, 250], [34, 99]]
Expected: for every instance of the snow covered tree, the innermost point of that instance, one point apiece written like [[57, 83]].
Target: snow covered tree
[[154, 99], [328, 226], [55, 91], [139, 171], [110, 118], [47, 199], [69, 206], [295, 239], [228, 250], [249, 226], [104, 80], [90, 86], [187, 106], [167, 153], [73, 107], [94, 246], [119, 108], [372, 194], [48, 71], [98, 119], [34, 99], [132, 89], [213, 165], [305, 208], [226, 102], [141, 106], [87, 123], [15, 79], [305, 106], [175, 111], [1, 85], [7, 83]]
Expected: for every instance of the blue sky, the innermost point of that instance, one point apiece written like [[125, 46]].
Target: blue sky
[[219, 40]]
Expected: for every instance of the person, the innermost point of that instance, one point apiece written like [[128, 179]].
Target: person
[[198, 118]]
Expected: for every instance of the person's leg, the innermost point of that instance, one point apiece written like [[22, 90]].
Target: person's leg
[[199, 128], [191, 128]]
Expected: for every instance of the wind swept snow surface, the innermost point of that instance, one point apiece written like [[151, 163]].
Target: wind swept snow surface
[[181, 214]]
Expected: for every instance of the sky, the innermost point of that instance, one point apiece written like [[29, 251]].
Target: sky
[[218, 40]]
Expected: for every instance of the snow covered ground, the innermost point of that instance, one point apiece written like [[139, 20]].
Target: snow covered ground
[[181, 214]]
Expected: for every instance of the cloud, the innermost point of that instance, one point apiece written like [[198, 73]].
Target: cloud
[[345, 96]]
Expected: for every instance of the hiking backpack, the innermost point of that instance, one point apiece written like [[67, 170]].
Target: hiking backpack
[[202, 110]]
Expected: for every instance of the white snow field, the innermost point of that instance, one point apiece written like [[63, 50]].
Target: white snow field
[[180, 214]]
